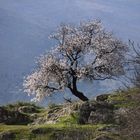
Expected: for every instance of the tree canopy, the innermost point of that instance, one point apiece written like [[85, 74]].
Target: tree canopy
[[134, 63], [83, 52]]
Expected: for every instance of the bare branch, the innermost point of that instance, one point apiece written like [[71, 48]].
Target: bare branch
[[69, 62]]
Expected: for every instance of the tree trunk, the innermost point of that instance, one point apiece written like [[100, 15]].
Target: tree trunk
[[74, 90], [79, 94]]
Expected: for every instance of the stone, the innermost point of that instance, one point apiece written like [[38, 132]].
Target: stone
[[38, 131], [34, 116], [38, 121], [84, 113], [13, 117], [27, 109], [102, 115], [119, 115], [50, 122], [112, 129], [103, 138], [102, 97], [7, 135], [96, 112]]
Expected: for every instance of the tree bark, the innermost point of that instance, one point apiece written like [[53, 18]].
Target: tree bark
[[79, 94], [73, 88]]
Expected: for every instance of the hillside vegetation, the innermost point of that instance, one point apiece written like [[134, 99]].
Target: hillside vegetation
[[108, 117]]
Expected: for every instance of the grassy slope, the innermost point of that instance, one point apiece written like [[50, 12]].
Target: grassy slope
[[126, 99], [50, 132], [68, 125]]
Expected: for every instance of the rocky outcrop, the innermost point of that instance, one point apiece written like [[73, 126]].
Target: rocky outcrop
[[111, 113], [96, 112], [7, 136], [120, 115], [13, 117], [55, 112], [102, 97], [27, 109], [92, 112]]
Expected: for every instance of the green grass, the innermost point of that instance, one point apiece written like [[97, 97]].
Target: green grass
[[49, 131], [69, 120], [21, 131], [68, 124], [126, 99], [15, 128]]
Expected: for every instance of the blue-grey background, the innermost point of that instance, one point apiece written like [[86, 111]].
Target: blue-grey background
[[26, 24]]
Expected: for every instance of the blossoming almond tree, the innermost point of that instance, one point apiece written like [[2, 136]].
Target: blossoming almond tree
[[82, 52]]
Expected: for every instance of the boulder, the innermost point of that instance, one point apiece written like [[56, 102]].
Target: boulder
[[119, 116], [7, 136], [13, 117], [84, 113], [96, 112], [27, 109], [102, 97]]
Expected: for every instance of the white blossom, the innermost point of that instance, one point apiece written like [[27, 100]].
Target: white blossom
[[84, 52]]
